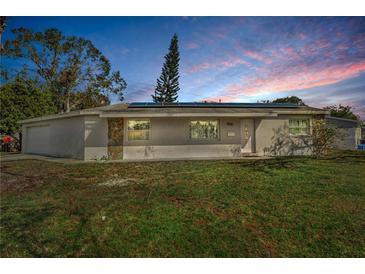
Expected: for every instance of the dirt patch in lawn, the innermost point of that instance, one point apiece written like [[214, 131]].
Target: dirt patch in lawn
[[115, 181], [18, 182]]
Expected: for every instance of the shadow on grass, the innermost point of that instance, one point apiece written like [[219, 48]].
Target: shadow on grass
[[292, 162], [268, 165]]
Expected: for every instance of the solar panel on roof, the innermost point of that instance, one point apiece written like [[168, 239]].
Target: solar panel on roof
[[217, 105]]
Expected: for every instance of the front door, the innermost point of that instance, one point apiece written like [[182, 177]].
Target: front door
[[247, 135]]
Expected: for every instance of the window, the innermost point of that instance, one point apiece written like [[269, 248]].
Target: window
[[299, 127], [138, 130], [204, 129]]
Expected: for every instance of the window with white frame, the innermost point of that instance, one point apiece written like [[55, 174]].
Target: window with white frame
[[204, 129], [138, 129], [299, 126]]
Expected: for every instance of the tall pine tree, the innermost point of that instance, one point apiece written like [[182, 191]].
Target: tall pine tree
[[168, 83]]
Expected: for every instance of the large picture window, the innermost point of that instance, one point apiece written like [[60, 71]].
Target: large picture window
[[299, 126], [204, 129], [138, 130]]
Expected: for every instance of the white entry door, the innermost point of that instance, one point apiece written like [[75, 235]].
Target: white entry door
[[247, 135]]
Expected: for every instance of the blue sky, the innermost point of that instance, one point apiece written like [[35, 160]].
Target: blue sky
[[246, 59]]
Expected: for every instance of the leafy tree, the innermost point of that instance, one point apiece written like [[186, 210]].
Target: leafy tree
[[342, 112], [168, 83], [321, 137], [291, 100], [264, 101], [22, 99], [3, 73], [66, 65], [2, 24], [89, 99]]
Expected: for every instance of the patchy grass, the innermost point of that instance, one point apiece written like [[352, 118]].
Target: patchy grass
[[282, 207], [3, 153]]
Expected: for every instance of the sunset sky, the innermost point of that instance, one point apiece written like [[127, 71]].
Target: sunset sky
[[235, 59]]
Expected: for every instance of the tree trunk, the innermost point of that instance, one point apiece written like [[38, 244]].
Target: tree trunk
[[68, 103]]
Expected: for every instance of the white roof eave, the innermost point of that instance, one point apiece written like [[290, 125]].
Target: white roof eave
[[103, 114]]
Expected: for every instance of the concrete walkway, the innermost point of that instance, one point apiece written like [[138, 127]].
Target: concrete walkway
[[8, 157], [18, 156]]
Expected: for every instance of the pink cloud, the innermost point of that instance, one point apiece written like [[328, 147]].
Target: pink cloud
[[308, 50], [275, 53], [229, 62], [289, 51], [233, 61], [200, 67], [192, 45], [300, 78], [342, 47], [257, 56], [322, 43], [359, 41]]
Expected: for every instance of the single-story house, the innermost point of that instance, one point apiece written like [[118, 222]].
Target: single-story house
[[169, 131], [348, 132]]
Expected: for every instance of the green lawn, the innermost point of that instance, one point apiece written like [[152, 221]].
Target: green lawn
[[283, 207]]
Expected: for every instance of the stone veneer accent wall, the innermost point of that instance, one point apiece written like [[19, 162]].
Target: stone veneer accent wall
[[115, 138]]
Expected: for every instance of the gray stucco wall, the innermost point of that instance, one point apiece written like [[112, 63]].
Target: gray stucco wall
[[96, 138], [65, 139], [176, 131], [265, 131], [170, 138], [167, 132], [270, 131], [348, 133]]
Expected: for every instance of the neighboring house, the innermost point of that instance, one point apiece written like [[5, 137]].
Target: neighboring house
[[170, 131], [348, 132]]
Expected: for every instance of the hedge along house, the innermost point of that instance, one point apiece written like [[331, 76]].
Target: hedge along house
[[169, 131]]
